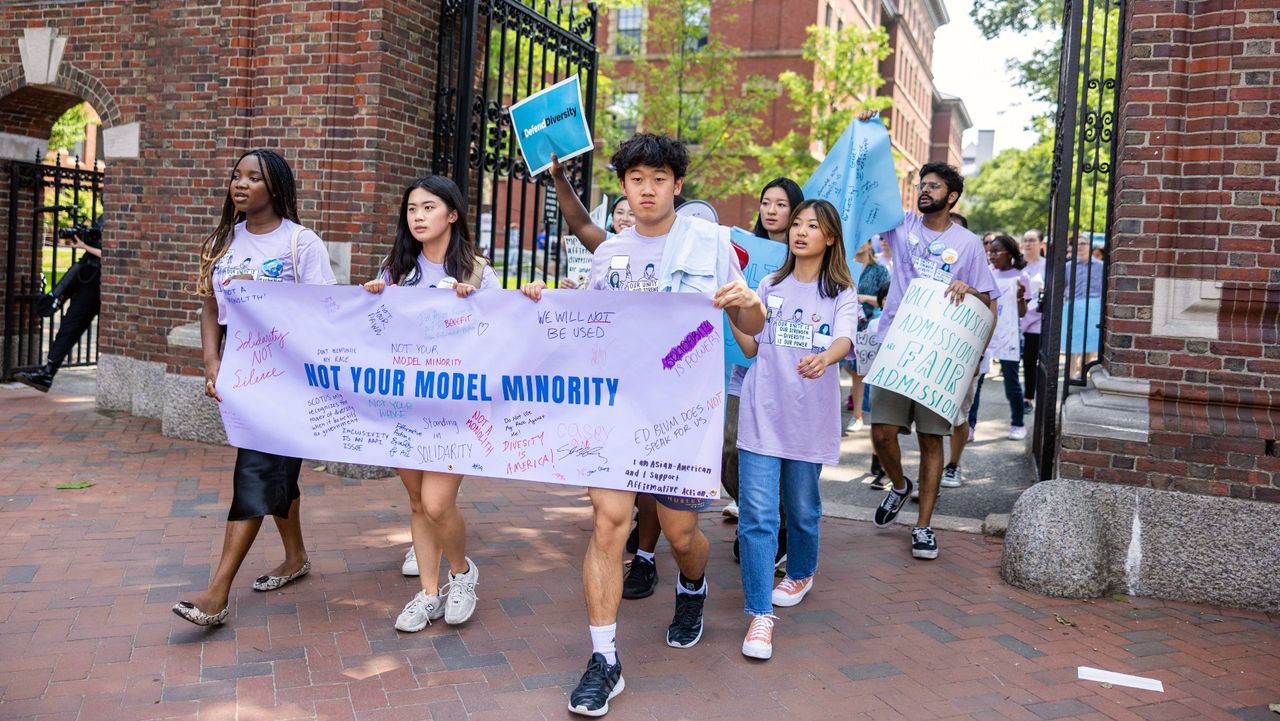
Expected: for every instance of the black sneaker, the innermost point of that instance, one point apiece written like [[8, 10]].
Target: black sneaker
[[40, 379], [641, 579], [881, 482], [686, 626], [923, 544], [892, 503], [598, 685], [633, 540], [781, 559]]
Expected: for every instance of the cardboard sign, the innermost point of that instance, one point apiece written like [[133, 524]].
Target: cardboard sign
[[933, 348]]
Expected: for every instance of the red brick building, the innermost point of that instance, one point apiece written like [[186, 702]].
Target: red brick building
[[771, 35], [343, 91]]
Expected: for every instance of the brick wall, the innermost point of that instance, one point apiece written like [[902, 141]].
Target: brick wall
[[1197, 206], [344, 90]]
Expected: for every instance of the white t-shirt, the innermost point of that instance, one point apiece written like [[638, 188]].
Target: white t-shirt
[[269, 257]]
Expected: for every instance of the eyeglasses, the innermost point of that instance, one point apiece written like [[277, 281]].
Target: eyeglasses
[[997, 251], [929, 186]]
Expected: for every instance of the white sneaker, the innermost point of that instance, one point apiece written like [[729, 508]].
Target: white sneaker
[[1017, 433], [462, 595], [855, 425], [759, 640], [790, 591], [952, 477], [410, 565], [730, 511], [419, 612]]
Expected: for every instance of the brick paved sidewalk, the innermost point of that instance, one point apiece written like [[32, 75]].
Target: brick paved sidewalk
[[87, 578]]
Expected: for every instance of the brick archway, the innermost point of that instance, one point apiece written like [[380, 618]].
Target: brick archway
[[31, 110]]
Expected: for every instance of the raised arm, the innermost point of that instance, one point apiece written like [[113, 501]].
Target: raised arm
[[574, 212]]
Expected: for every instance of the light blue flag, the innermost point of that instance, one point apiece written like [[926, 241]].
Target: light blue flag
[[859, 178], [764, 256], [551, 121]]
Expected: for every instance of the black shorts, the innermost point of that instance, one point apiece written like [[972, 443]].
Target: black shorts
[[264, 484]]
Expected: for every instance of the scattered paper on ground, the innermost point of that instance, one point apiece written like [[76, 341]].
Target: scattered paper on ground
[[73, 485], [1120, 679]]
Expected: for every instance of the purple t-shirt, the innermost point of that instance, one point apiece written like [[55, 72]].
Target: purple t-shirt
[[1035, 278], [269, 257], [953, 254], [630, 261], [432, 273], [782, 414]]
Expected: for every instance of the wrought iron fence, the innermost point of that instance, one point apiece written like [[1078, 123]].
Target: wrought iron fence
[[492, 54], [1083, 183], [44, 202]]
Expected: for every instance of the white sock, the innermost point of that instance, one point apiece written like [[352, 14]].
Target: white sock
[[681, 588], [604, 642], [646, 555]]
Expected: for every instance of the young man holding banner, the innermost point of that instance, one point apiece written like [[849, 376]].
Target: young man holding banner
[[929, 245], [687, 255]]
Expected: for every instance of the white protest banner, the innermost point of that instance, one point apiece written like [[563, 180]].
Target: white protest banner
[[933, 348], [577, 257], [551, 121], [866, 345], [615, 390], [577, 261]]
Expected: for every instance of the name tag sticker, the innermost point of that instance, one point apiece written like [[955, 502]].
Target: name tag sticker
[[620, 262]]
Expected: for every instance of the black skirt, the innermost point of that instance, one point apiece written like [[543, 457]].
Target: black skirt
[[264, 484]]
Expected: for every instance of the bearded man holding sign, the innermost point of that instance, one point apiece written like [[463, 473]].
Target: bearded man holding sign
[[927, 245]]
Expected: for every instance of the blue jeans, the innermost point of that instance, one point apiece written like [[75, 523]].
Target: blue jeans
[[759, 478], [1012, 391]]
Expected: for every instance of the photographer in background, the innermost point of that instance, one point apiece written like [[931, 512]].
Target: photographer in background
[[82, 283]]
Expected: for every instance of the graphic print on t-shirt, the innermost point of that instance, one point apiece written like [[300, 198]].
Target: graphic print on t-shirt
[[793, 333], [621, 277], [271, 269]]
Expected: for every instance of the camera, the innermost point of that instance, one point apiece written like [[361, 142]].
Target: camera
[[87, 234]]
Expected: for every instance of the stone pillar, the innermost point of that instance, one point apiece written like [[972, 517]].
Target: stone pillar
[[1185, 413]]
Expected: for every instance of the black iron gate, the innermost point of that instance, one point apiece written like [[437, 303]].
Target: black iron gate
[[1080, 211], [492, 54], [48, 205]]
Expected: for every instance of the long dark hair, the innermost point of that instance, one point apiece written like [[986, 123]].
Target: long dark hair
[[795, 196], [1011, 246], [834, 276], [459, 257], [284, 201]]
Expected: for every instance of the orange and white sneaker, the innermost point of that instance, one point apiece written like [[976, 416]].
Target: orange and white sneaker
[[790, 591], [759, 640]]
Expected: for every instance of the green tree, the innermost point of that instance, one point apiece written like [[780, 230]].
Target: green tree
[[679, 73], [1009, 193], [845, 78], [69, 129], [1014, 172]]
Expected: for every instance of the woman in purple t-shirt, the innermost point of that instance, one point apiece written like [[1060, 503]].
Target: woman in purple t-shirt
[[789, 419], [433, 249], [258, 238]]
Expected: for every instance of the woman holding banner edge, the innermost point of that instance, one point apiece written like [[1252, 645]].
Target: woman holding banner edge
[[257, 238], [433, 249]]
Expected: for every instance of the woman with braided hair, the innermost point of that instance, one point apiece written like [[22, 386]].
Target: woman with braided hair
[[258, 238]]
